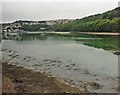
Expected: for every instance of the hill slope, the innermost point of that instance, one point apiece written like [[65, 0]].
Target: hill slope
[[105, 22]]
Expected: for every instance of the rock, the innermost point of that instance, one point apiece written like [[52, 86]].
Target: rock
[[68, 69], [94, 75], [16, 55], [73, 64], [67, 66], [66, 92], [97, 79], [54, 61], [18, 80], [24, 58], [59, 61], [95, 85], [86, 72], [28, 56], [75, 69], [46, 60], [9, 51], [91, 86], [13, 56], [10, 54], [58, 65], [37, 64], [48, 65], [53, 64]]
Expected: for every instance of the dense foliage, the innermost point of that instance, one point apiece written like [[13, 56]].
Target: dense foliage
[[37, 27], [106, 22]]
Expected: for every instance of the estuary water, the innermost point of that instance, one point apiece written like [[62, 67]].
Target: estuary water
[[67, 59]]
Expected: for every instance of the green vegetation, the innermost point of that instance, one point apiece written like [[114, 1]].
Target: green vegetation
[[37, 27], [104, 42], [106, 22]]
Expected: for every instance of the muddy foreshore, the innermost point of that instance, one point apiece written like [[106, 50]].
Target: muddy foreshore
[[20, 80]]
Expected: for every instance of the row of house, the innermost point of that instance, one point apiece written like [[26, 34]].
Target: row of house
[[15, 26], [47, 22], [59, 21], [10, 27]]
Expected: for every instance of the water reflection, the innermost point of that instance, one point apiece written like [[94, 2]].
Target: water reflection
[[23, 37], [106, 43], [27, 37], [32, 37]]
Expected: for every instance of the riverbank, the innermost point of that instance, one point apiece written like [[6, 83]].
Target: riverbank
[[20, 80], [101, 33]]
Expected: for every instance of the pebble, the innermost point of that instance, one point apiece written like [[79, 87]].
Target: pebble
[[18, 80]]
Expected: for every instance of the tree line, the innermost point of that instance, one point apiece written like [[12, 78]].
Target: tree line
[[106, 22], [36, 27]]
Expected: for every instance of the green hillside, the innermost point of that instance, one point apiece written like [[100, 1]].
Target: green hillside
[[105, 22]]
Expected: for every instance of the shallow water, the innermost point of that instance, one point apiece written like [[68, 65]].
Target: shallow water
[[67, 60]]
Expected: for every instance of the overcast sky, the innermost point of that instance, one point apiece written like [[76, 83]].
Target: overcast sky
[[13, 10]]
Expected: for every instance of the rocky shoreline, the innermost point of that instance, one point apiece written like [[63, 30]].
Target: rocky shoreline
[[20, 80]]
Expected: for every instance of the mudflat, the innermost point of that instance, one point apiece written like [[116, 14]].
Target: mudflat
[[20, 80]]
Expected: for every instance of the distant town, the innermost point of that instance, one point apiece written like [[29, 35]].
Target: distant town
[[16, 26], [20, 26]]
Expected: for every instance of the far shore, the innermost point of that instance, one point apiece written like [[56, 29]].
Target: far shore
[[101, 33], [90, 33]]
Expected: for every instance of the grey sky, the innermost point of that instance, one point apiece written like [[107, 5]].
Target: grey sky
[[12, 11]]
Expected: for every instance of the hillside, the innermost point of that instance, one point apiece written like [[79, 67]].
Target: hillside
[[105, 22]]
